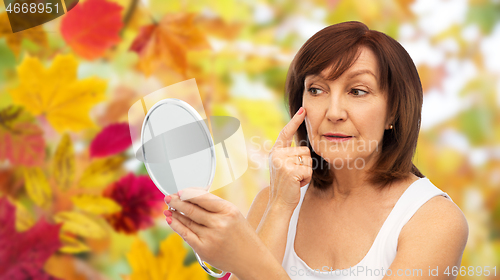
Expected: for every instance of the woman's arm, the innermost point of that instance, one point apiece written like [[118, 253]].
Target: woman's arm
[[270, 223], [273, 230], [273, 225], [290, 169], [263, 267]]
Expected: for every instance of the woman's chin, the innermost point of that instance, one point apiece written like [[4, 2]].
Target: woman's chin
[[344, 161]]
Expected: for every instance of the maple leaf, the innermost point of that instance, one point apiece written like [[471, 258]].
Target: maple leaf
[[117, 108], [96, 204], [219, 28], [167, 265], [72, 244], [14, 40], [139, 199], [11, 181], [22, 254], [63, 164], [111, 140], [37, 186], [24, 218], [92, 27], [168, 42], [21, 140], [431, 77], [56, 93], [81, 224], [102, 172]]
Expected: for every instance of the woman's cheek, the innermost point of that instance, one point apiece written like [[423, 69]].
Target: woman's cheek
[[308, 127], [371, 132], [312, 124]]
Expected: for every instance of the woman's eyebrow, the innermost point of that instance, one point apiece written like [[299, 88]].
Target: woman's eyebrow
[[361, 72], [350, 75], [314, 77]]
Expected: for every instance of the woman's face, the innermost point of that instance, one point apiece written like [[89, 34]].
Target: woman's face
[[352, 105]]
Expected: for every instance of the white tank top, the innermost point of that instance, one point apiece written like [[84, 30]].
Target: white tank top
[[383, 250]]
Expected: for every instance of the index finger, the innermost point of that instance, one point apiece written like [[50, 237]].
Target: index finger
[[285, 138]]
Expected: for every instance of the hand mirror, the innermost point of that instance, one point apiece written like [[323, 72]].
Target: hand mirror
[[178, 151]]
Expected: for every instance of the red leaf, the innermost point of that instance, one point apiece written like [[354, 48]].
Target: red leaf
[[23, 254], [111, 140], [21, 140], [143, 38], [92, 27], [139, 198]]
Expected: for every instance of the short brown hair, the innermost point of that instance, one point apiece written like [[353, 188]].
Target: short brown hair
[[338, 45]]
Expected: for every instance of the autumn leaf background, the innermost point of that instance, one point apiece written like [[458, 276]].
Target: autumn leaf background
[[67, 170]]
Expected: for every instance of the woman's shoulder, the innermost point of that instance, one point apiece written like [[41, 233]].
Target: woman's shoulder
[[435, 235], [437, 219]]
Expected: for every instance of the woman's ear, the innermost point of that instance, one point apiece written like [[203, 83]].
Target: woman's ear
[[390, 122]]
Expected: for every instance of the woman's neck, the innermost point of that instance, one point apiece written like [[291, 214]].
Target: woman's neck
[[347, 184], [356, 187]]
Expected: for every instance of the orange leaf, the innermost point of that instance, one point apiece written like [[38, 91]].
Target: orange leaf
[[219, 28], [431, 77], [11, 182], [21, 140], [92, 27], [167, 43], [14, 40], [117, 108]]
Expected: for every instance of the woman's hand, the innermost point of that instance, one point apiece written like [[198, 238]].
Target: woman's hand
[[215, 229], [288, 175]]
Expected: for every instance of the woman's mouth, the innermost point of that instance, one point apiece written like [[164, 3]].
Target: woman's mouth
[[338, 138]]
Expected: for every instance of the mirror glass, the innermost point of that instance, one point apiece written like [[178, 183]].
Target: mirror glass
[[176, 147]]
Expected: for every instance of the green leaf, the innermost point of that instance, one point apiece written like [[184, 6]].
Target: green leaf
[[485, 15], [476, 123]]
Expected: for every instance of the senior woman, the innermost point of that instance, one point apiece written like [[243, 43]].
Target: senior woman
[[346, 201]]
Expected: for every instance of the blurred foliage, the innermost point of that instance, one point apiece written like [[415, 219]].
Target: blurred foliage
[[59, 92]]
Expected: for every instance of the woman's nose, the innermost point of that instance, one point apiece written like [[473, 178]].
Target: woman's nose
[[336, 110]]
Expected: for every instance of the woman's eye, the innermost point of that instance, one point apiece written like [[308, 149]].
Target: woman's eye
[[358, 92], [314, 90]]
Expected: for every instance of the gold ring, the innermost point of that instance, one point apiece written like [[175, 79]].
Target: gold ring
[[300, 160]]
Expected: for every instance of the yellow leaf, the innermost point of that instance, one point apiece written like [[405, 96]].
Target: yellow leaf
[[231, 11], [24, 219], [80, 224], [142, 261], [37, 186], [120, 244], [168, 265], [102, 172], [63, 164], [96, 204], [71, 245], [448, 160], [262, 114], [56, 93]]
